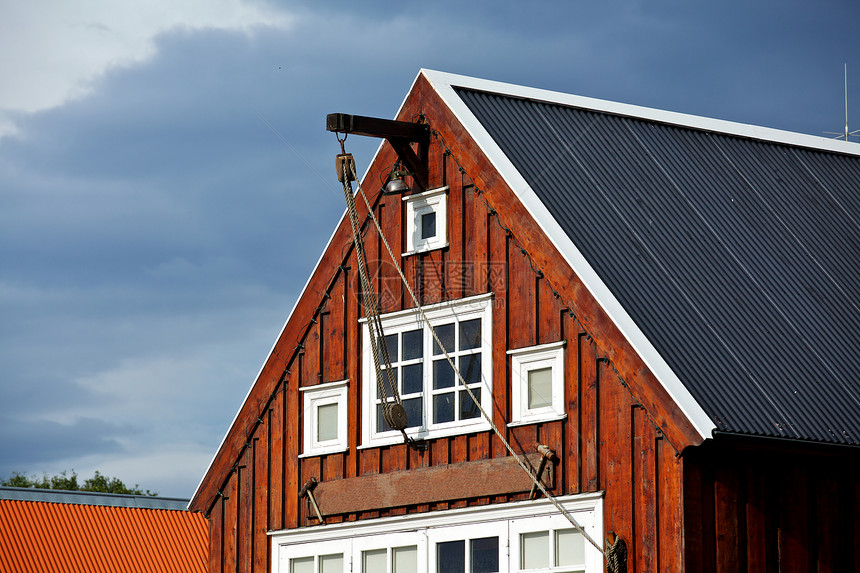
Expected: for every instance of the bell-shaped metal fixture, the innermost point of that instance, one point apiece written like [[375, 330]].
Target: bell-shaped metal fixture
[[396, 185]]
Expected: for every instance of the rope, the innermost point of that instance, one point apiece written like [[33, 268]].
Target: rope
[[392, 411], [616, 555], [519, 459]]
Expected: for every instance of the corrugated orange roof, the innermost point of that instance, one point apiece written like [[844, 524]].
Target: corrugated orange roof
[[42, 536]]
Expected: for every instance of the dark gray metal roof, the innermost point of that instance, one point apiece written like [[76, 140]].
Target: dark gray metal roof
[[92, 498], [739, 259]]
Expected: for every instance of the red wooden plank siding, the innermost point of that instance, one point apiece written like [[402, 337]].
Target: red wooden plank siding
[[770, 509], [216, 538], [230, 537]]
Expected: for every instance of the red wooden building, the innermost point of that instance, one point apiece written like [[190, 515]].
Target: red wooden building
[[670, 304]]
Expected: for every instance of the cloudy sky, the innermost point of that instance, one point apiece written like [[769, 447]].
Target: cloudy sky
[[166, 182]]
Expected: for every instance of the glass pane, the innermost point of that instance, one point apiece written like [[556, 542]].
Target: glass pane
[[386, 382], [374, 561], [468, 408], [331, 563], [413, 344], [414, 412], [302, 565], [391, 344], [443, 408], [443, 374], [412, 382], [485, 555], [381, 425], [405, 559], [451, 557], [428, 225], [535, 549], [470, 368], [327, 422], [569, 547], [446, 337], [470, 334], [540, 388]]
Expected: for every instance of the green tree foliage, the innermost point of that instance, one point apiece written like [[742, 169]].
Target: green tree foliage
[[98, 483]]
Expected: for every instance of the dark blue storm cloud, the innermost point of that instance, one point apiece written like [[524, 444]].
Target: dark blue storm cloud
[[155, 232]]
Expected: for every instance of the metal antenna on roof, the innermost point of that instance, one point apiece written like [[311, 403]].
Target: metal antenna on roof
[[845, 134]]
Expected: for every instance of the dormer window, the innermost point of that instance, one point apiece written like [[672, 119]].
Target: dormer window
[[426, 222]]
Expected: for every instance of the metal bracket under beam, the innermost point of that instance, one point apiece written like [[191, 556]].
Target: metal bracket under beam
[[400, 134]]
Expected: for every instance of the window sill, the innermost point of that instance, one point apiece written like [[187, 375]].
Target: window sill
[[537, 420], [425, 435], [325, 452], [427, 250]]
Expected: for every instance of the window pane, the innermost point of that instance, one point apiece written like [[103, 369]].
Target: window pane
[[470, 368], [405, 559], [374, 561], [384, 373], [413, 344], [413, 382], [569, 547], [414, 412], [391, 343], [302, 565], [535, 549], [381, 425], [327, 422], [485, 555], [468, 408], [451, 557], [540, 387], [331, 563], [428, 225], [443, 408], [470, 334], [443, 374], [445, 333]]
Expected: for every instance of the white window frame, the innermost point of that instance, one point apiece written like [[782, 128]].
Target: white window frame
[[425, 530], [323, 395], [389, 542], [552, 525], [401, 321], [524, 360], [467, 533], [281, 560], [419, 204]]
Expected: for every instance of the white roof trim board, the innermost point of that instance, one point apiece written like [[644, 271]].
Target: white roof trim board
[[444, 84]]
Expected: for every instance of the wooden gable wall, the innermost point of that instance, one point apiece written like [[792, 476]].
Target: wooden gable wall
[[621, 435]]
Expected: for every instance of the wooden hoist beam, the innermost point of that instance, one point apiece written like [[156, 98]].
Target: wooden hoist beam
[[400, 134]]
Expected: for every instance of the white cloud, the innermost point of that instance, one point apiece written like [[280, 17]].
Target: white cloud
[[51, 50]]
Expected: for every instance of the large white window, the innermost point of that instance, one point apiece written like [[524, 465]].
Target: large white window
[[325, 419], [506, 538], [537, 385], [435, 401]]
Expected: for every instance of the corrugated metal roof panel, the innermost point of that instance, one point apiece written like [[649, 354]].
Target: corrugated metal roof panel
[[41, 536], [738, 258]]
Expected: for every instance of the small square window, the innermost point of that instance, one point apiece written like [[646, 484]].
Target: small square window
[[538, 383], [325, 418], [425, 223]]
